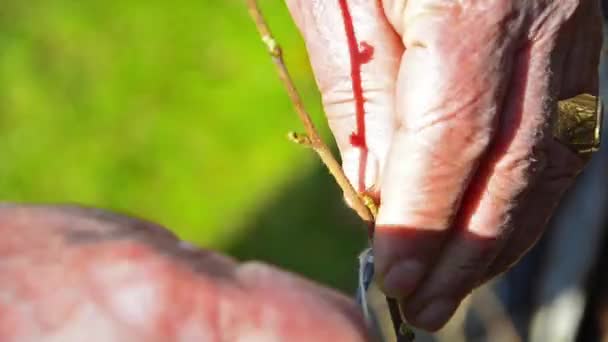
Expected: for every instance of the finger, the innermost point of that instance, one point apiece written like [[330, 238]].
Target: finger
[[469, 261], [355, 56], [75, 274], [450, 85], [523, 155], [580, 75], [531, 219], [481, 220]]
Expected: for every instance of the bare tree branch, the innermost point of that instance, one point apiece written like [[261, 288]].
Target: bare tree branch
[[313, 138]]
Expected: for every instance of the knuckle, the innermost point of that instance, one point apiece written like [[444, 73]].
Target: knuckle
[[435, 23], [511, 177], [517, 169], [462, 114], [452, 140]]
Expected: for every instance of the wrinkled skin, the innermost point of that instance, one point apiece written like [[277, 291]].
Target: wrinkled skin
[[459, 96], [74, 274]]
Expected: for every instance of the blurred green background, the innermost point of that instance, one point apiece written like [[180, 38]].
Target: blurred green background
[[171, 111]]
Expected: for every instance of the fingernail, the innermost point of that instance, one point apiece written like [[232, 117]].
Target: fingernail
[[402, 278], [435, 315]]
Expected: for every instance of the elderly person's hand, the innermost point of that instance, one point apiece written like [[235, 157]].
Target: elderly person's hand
[[441, 109], [73, 274]]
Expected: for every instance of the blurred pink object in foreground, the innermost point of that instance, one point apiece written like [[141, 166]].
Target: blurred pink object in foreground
[[76, 274]]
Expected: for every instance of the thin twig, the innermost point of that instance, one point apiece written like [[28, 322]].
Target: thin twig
[[315, 141]]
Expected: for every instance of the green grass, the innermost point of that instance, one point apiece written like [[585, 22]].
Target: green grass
[[171, 111]]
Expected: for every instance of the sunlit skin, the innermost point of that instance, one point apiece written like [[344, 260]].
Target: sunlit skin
[[74, 274], [445, 119], [458, 99]]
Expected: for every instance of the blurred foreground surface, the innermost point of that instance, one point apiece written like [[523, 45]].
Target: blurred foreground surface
[[76, 274]]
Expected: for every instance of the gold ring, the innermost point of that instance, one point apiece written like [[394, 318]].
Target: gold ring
[[578, 123]]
